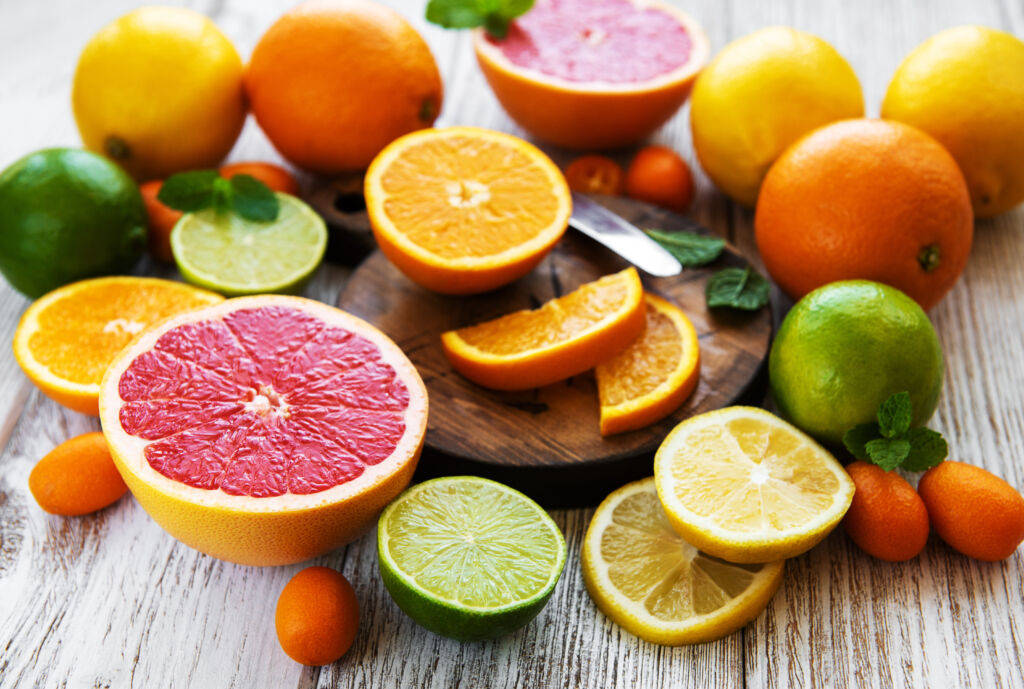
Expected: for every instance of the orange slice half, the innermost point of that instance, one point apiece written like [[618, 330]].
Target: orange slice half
[[464, 210], [562, 338], [654, 375]]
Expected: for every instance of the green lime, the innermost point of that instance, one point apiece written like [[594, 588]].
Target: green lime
[[66, 215], [467, 557], [844, 349], [224, 252]]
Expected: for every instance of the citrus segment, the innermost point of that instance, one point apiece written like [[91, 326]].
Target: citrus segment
[[467, 557], [596, 73], [463, 210], [564, 337], [66, 339], [650, 581], [264, 430], [744, 485], [654, 375]]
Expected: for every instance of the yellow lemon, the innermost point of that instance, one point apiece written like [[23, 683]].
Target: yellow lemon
[[159, 90], [965, 87], [760, 94]]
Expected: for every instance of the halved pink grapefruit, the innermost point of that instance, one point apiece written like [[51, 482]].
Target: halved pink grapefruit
[[592, 74], [264, 430]]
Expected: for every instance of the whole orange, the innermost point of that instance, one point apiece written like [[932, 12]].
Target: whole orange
[[332, 82], [887, 518], [660, 176], [973, 510], [317, 616], [274, 176], [161, 220], [866, 199]]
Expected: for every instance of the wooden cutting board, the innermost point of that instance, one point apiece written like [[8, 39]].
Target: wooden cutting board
[[546, 441]]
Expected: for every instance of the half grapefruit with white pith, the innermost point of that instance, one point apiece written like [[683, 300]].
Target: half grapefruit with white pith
[[593, 74], [264, 430]]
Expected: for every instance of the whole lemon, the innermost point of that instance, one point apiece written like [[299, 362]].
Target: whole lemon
[[760, 94], [159, 90], [965, 87]]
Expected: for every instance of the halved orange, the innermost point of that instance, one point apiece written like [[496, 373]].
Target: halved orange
[[564, 337], [67, 338], [465, 210], [654, 375]]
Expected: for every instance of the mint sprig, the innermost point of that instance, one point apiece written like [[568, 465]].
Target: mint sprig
[[737, 288], [493, 15], [891, 443], [198, 190], [692, 250]]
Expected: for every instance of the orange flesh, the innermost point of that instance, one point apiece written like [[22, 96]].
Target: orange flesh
[[645, 365]]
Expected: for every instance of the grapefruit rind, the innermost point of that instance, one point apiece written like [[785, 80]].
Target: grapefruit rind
[[273, 530]]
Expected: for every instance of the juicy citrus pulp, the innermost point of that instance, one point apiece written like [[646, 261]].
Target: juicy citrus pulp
[[566, 336], [264, 430], [650, 581], [66, 339], [229, 254], [654, 375], [744, 485], [467, 557], [463, 210]]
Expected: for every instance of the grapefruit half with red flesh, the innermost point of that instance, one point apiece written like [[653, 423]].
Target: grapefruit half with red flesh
[[593, 74], [265, 430]]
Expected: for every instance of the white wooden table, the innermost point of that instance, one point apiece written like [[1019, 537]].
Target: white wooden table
[[112, 601]]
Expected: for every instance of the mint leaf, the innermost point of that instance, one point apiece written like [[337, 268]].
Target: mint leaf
[[888, 453], [894, 415], [927, 449], [510, 9], [493, 15], [253, 200], [189, 191], [858, 437], [689, 248], [737, 288]]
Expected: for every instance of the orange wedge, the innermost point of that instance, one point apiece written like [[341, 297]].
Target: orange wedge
[[465, 210], [653, 376], [564, 337], [67, 338]]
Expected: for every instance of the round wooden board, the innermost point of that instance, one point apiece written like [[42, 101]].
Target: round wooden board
[[546, 441]]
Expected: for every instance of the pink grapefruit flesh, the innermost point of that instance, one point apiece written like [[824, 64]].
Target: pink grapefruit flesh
[[264, 405]]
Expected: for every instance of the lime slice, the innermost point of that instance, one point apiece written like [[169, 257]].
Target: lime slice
[[234, 256], [469, 558]]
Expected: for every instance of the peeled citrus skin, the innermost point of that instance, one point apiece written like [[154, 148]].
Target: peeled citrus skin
[[317, 616], [844, 349], [965, 87]]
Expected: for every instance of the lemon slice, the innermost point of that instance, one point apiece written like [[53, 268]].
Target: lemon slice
[[654, 584], [744, 485]]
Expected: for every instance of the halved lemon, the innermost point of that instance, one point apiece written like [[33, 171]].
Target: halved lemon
[[654, 584], [744, 485]]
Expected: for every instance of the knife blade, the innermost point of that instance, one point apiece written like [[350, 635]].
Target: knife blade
[[622, 237]]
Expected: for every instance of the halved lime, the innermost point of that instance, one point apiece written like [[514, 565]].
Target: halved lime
[[467, 557], [231, 255]]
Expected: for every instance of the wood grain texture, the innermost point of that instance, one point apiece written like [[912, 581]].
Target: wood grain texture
[[111, 601]]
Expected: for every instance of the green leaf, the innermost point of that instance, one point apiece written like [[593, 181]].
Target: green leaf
[[689, 248], [895, 414], [253, 200], [455, 14], [858, 437], [888, 453], [496, 25], [510, 9], [737, 288], [189, 191], [927, 449]]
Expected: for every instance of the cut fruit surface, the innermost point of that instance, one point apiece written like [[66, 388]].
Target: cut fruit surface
[[467, 557], [234, 256], [590, 74], [464, 210], [744, 485], [67, 338], [653, 583], [654, 375], [264, 430], [564, 337]]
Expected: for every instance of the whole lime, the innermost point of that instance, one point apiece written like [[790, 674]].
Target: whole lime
[[67, 214], [844, 349]]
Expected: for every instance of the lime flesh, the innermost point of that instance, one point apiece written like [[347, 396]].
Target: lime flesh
[[234, 256], [469, 558]]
